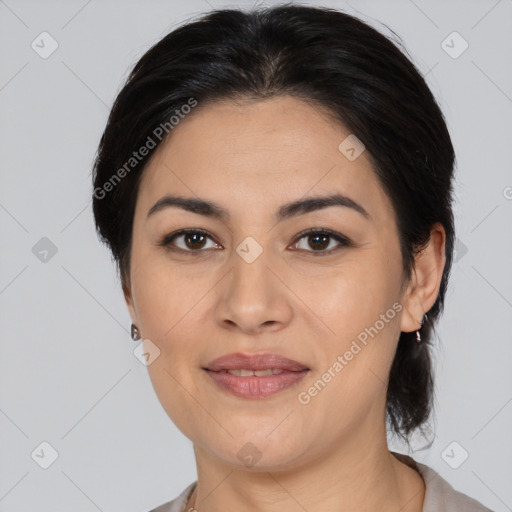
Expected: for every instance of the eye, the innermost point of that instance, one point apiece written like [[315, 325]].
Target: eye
[[320, 239], [192, 240]]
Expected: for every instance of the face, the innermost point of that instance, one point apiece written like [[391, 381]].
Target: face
[[252, 282]]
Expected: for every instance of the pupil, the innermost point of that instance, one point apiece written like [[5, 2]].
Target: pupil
[[194, 236], [325, 241]]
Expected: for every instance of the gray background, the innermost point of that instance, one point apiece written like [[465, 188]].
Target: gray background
[[67, 372]]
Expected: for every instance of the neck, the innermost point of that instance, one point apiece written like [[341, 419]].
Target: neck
[[343, 480]]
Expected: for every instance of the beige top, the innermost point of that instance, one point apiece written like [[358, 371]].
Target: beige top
[[440, 496]]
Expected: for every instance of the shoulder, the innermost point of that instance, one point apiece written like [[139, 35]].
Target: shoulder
[[440, 496], [177, 504]]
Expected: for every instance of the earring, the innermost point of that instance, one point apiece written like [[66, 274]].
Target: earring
[[418, 335], [135, 333]]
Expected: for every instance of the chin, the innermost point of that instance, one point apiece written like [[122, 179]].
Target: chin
[[258, 453]]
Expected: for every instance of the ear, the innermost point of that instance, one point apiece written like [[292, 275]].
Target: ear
[[426, 278], [129, 299]]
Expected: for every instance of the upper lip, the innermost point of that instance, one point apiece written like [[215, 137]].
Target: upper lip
[[239, 361]]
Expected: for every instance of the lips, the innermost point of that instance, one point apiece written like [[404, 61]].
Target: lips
[[253, 387], [256, 362]]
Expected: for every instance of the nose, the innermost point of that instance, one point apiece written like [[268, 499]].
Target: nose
[[254, 297]]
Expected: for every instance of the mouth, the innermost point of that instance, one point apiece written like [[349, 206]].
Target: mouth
[[256, 373], [255, 376], [251, 386], [255, 363]]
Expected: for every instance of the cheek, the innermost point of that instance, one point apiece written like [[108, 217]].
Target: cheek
[[352, 295], [174, 392], [364, 324], [166, 308], [351, 379], [360, 306], [165, 299]]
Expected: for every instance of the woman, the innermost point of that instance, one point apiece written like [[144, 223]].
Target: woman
[[276, 189]]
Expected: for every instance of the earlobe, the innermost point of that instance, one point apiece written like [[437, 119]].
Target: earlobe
[[426, 280], [413, 312]]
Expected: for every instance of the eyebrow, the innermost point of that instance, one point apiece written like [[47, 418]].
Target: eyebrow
[[286, 211]]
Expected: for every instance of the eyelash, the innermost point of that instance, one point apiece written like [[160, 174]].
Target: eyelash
[[343, 240]]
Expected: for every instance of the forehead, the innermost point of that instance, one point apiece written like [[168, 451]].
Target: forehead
[[259, 152], [227, 129]]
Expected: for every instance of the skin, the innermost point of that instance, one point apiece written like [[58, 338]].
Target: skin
[[251, 157]]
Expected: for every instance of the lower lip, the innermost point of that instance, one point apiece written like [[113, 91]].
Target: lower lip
[[256, 387]]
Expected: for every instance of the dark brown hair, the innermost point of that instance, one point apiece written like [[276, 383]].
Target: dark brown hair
[[332, 60]]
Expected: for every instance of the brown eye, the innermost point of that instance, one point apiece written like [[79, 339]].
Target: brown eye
[[188, 240], [194, 240], [321, 241]]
